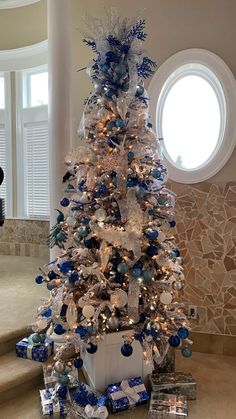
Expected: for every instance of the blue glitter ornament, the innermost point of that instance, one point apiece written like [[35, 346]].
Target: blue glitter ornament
[[78, 363], [59, 329], [102, 189], [122, 268], [130, 155], [152, 251], [73, 277], [119, 278], [47, 313], [172, 223], [174, 341], [39, 279], [136, 272], [186, 352], [110, 56], [183, 333], [92, 348], [120, 123], [147, 276], [62, 392], [126, 350], [66, 267], [152, 234], [64, 202], [90, 243], [82, 331], [156, 173], [85, 220], [52, 275]]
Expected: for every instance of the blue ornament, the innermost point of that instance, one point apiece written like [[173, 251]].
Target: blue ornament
[[35, 338], [85, 220], [126, 350], [183, 333], [78, 363], [52, 275], [109, 93], [122, 268], [102, 189], [147, 276], [47, 313], [105, 68], [174, 341], [110, 125], [139, 90], [82, 331], [120, 123], [90, 243], [62, 392], [136, 272], [186, 352], [63, 310], [130, 155], [156, 173], [113, 141], [152, 234], [172, 223], [66, 267], [39, 279], [64, 202], [59, 329], [63, 379], [110, 56], [152, 251], [50, 286], [119, 279], [138, 264], [176, 253], [83, 231], [92, 348], [73, 277]]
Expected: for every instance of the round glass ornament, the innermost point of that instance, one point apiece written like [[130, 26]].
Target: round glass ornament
[[91, 348], [126, 350], [59, 329], [39, 279], [174, 341], [64, 202], [186, 352], [183, 333]]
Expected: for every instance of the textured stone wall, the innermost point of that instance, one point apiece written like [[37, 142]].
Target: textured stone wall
[[206, 237], [24, 238]]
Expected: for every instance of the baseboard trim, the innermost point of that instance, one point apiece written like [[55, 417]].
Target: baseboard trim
[[214, 344]]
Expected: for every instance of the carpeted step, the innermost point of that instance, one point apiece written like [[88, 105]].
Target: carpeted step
[[17, 376], [8, 340]]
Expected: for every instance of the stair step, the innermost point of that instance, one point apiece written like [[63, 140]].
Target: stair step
[[26, 406], [17, 376], [8, 340]]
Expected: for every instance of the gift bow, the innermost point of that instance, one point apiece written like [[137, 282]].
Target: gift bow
[[127, 391], [96, 412]]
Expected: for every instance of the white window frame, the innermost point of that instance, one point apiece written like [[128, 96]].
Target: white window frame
[[10, 4], [27, 85], [5, 119], [213, 69]]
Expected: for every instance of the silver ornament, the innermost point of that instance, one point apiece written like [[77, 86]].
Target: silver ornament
[[100, 214], [113, 323], [59, 366], [177, 285]]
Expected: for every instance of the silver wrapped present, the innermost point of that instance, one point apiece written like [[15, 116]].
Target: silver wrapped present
[[167, 406], [180, 383]]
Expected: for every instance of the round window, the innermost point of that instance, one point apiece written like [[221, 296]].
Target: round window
[[191, 105]]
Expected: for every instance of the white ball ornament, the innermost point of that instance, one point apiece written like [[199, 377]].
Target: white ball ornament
[[83, 301], [166, 297], [119, 298], [88, 311], [100, 214]]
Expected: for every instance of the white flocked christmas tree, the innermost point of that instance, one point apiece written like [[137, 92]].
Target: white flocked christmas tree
[[118, 267]]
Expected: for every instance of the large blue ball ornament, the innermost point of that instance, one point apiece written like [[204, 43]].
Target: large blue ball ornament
[[85, 220], [130, 155], [183, 333], [186, 352], [174, 341], [152, 251], [59, 329], [39, 279], [64, 202], [122, 268], [126, 350], [156, 173], [102, 189], [78, 363], [92, 348], [73, 277], [47, 313], [66, 267]]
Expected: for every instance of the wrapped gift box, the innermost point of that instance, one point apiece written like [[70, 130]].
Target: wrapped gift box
[[168, 406], [35, 352], [84, 395], [126, 394], [52, 406], [50, 377], [175, 383]]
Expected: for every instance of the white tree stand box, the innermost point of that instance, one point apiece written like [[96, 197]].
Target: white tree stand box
[[108, 365]]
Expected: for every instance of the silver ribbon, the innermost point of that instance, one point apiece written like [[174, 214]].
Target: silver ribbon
[[30, 348], [130, 392], [95, 412]]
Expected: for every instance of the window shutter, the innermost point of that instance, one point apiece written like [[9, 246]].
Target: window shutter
[[3, 191], [36, 150]]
